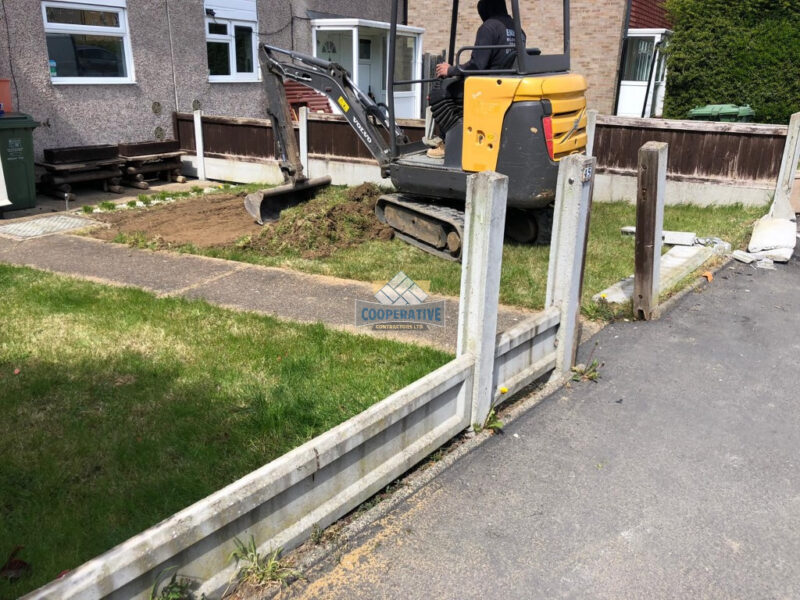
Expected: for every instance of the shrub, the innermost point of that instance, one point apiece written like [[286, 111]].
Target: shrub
[[744, 52]]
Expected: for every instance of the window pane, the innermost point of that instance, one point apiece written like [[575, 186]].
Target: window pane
[[244, 49], [218, 28], [364, 49], [86, 55], [74, 16], [403, 62], [638, 58], [218, 58]]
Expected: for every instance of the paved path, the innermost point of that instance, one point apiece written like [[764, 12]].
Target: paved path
[[282, 293], [676, 476]]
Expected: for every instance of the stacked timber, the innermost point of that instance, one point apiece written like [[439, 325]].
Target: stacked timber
[[67, 166], [151, 160]]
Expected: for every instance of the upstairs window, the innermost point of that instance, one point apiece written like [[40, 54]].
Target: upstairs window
[[232, 49], [88, 42]]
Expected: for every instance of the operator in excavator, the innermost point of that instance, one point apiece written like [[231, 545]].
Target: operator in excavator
[[497, 30]]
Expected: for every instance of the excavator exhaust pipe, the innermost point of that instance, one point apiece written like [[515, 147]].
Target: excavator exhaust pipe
[[266, 205]]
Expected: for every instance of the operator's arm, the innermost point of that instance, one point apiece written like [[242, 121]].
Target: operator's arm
[[479, 61]]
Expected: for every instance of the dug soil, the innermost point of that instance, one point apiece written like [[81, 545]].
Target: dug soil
[[204, 221], [334, 219]]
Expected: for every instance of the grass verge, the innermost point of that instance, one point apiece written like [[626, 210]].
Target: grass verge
[[119, 408]]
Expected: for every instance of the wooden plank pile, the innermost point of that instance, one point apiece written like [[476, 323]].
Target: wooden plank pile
[[67, 166], [151, 160], [114, 166]]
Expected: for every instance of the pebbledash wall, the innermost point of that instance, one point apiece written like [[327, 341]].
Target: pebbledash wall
[[596, 37], [82, 114]]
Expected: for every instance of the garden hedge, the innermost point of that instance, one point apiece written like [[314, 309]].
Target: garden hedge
[[737, 52]]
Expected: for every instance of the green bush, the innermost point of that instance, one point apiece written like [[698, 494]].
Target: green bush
[[742, 52]]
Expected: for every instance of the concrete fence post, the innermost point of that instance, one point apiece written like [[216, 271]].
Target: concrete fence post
[[591, 130], [303, 116], [651, 186], [781, 206], [198, 143], [568, 253], [482, 258]]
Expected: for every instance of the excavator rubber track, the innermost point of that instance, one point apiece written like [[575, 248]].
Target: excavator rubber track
[[434, 228]]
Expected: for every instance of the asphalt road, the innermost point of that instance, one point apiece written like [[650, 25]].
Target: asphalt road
[[677, 475]]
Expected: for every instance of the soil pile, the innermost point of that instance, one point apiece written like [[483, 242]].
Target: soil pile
[[332, 220]]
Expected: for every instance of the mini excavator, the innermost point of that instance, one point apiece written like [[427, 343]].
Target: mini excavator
[[519, 121]]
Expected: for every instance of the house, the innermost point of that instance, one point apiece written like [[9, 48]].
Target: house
[[599, 31], [110, 71]]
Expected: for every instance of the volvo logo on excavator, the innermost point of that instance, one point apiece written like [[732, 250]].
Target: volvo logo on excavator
[[362, 131]]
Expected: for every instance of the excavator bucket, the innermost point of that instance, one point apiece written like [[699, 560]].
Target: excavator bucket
[[266, 205]]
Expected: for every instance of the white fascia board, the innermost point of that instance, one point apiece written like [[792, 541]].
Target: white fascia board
[[346, 23], [648, 32]]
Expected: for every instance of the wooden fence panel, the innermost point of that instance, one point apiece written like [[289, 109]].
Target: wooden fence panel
[[698, 151]]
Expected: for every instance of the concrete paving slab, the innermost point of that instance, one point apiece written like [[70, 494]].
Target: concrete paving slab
[[112, 263], [310, 298], [278, 292], [675, 476]]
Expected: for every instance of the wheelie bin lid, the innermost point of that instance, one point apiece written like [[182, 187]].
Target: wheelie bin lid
[[16, 120]]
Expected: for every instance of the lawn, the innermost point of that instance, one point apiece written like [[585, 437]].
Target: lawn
[[119, 408], [524, 270]]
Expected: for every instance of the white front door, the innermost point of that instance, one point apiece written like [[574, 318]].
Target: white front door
[[371, 63]]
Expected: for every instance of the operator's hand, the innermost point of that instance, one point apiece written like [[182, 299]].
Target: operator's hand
[[441, 69]]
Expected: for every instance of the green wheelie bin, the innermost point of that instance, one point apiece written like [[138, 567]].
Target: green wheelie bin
[[16, 152], [729, 113]]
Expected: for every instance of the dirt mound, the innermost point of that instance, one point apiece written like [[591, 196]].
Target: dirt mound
[[332, 220], [204, 221]]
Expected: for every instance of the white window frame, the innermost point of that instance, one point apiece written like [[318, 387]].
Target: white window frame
[[122, 32], [230, 39]]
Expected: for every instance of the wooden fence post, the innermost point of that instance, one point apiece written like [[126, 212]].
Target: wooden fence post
[[591, 129], [198, 143], [652, 181], [303, 116], [568, 252], [481, 260], [781, 205]]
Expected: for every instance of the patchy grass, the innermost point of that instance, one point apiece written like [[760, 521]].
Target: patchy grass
[[336, 234], [524, 272], [127, 408]]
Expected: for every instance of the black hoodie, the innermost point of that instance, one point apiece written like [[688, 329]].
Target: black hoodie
[[497, 30]]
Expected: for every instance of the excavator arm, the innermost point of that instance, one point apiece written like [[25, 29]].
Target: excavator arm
[[332, 80], [370, 123]]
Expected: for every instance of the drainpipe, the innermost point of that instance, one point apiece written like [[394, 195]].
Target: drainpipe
[[172, 56], [624, 56]]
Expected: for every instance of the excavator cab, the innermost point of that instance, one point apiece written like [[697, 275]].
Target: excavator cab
[[519, 120]]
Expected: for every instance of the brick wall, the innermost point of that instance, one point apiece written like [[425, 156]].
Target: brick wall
[[596, 36], [648, 14]]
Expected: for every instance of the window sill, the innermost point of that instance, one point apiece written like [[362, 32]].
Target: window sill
[[91, 81], [228, 79]]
